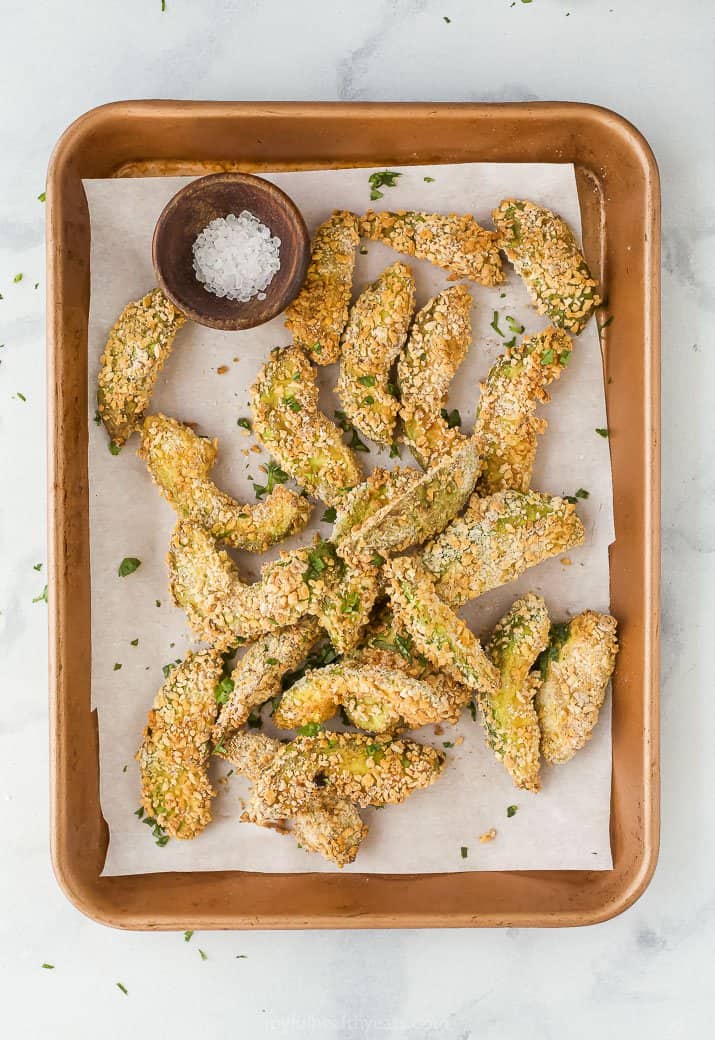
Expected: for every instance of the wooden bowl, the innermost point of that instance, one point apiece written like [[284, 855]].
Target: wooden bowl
[[188, 213]]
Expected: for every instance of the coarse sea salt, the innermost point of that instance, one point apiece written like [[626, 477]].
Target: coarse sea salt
[[236, 257]]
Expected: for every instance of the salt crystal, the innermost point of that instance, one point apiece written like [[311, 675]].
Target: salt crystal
[[236, 257]]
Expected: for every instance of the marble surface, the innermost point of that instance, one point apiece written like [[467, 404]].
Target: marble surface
[[647, 971]]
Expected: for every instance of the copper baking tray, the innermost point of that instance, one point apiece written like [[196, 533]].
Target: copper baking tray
[[619, 192]]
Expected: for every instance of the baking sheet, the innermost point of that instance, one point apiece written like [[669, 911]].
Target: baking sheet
[[565, 826]]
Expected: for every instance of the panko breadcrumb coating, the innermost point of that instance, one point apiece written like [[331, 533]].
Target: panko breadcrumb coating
[[318, 314], [438, 343], [179, 462], [374, 336], [362, 769], [506, 426], [173, 757], [424, 508], [454, 242], [342, 598], [220, 608], [385, 645], [543, 250], [436, 630], [498, 538], [380, 488], [136, 350], [576, 669], [365, 691], [509, 715], [258, 674], [289, 425], [328, 825]]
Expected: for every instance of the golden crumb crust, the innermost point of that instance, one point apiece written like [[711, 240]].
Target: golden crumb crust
[[498, 538], [318, 314], [370, 693], [508, 714], [135, 352], [436, 631], [543, 250], [507, 426], [437, 345], [365, 770], [257, 676], [374, 336], [328, 825], [452, 241], [576, 669], [423, 508], [173, 757], [289, 425], [179, 462]]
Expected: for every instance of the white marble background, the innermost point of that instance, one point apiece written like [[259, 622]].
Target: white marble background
[[647, 972]]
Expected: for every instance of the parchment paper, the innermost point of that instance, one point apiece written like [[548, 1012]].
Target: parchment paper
[[565, 825]]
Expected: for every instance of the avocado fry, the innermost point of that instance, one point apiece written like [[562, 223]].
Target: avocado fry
[[508, 714], [136, 350], [575, 671], [179, 462], [452, 241], [498, 538], [318, 314], [374, 336], [174, 754], [543, 250], [507, 427], [289, 425], [437, 345]]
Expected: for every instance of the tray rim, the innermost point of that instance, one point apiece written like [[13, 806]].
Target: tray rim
[[95, 121]]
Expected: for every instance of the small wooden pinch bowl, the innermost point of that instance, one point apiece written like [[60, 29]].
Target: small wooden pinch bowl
[[187, 214]]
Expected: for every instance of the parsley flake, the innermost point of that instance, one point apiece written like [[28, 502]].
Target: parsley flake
[[275, 475], [42, 196], [311, 729], [37, 567], [223, 690], [511, 810], [452, 418], [329, 515], [245, 424], [128, 565], [46, 965], [384, 179], [464, 851], [366, 380], [204, 956], [114, 449], [429, 180], [602, 432], [187, 934], [42, 598], [494, 323], [17, 278], [123, 988]]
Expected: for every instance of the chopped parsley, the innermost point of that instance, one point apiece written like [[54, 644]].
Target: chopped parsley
[[547, 358], [376, 560], [329, 515], [366, 380], [97, 418], [446, 19], [321, 556], [223, 690], [347, 427], [558, 635], [46, 965], [350, 603], [123, 988], [295, 406], [275, 475], [158, 833], [17, 278], [311, 729], [42, 196], [564, 358], [134, 642], [187, 934], [464, 851], [114, 449], [514, 325], [495, 324], [429, 180], [37, 567], [511, 810], [394, 450], [21, 396], [473, 710], [452, 418], [602, 432], [168, 668], [582, 493], [204, 956], [384, 179], [128, 565], [245, 424], [117, 666], [42, 598], [448, 743], [317, 659]]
